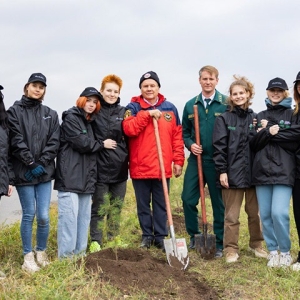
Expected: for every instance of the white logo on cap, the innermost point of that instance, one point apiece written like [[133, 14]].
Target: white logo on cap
[[276, 82], [147, 75], [37, 76]]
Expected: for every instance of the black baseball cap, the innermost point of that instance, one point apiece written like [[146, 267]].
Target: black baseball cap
[[1, 87], [37, 77], [297, 78], [90, 91], [277, 83], [149, 75]]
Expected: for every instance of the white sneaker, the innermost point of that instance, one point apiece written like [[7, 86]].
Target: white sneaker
[[285, 260], [259, 252], [296, 266], [273, 260], [231, 257], [29, 264], [42, 258]]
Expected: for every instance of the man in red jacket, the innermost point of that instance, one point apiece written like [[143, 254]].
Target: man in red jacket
[[143, 158]]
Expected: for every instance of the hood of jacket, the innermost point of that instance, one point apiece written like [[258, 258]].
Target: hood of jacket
[[286, 102]]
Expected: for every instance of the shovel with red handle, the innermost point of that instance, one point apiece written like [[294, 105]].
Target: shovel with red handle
[[205, 243], [176, 249]]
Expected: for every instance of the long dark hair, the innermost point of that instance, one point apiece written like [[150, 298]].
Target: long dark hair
[[3, 113]]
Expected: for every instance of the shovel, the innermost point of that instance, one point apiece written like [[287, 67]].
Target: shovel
[[176, 249], [205, 243]]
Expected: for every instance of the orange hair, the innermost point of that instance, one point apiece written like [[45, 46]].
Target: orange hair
[[81, 101], [111, 78]]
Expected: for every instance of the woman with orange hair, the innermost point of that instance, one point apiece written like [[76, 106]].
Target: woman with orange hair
[[112, 162], [76, 173]]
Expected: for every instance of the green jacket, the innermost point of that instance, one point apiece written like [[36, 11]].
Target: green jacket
[[206, 119]]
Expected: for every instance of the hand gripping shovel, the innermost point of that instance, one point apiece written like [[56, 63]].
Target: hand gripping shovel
[[176, 249], [205, 244]]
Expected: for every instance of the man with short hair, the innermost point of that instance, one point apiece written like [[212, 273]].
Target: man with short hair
[[210, 103], [143, 158]]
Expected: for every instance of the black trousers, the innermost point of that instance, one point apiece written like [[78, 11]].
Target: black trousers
[[296, 206], [153, 223], [114, 193]]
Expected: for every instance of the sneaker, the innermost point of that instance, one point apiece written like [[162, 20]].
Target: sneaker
[[273, 260], [259, 252], [285, 260], [296, 266], [29, 264], [42, 258], [219, 253], [231, 257], [146, 242], [94, 247]]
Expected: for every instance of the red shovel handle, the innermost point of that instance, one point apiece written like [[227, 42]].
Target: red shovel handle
[[163, 174], [199, 164]]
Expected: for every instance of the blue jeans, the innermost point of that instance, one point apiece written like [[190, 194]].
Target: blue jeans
[[35, 200], [274, 206], [74, 215]]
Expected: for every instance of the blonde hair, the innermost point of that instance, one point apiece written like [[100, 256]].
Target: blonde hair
[[210, 69], [246, 84], [111, 78], [296, 97]]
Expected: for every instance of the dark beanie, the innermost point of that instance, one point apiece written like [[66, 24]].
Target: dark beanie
[[149, 75]]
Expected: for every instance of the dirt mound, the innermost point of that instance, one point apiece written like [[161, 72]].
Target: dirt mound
[[132, 270]]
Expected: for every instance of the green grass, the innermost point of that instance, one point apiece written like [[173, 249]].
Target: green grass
[[249, 278]]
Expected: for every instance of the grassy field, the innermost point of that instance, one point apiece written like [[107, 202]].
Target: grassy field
[[249, 278]]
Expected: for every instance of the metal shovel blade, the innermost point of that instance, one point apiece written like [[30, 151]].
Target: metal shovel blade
[[177, 253], [205, 245]]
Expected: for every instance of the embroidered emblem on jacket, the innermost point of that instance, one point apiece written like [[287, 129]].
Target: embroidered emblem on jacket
[[168, 117], [217, 114], [231, 127], [191, 116], [47, 117], [127, 113]]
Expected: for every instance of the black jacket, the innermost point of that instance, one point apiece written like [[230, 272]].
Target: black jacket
[[6, 174], [112, 165], [273, 162], [34, 136], [232, 155], [76, 161]]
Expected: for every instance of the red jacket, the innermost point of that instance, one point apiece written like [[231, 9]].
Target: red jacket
[[138, 126]]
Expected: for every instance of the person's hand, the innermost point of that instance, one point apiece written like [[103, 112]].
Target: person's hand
[[264, 123], [28, 175], [110, 144], [155, 113], [274, 129], [196, 150], [10, 190], [224, 180], [177, 170], [38, 171]]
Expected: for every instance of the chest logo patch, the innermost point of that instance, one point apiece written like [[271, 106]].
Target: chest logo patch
[[167, 117]]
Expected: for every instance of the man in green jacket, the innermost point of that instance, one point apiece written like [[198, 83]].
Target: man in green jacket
[[211, 103]]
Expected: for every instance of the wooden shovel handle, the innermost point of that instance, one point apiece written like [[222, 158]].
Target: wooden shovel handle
[[199, 164], [163, 174]]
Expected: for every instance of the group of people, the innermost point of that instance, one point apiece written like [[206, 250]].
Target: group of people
[[244, 154]]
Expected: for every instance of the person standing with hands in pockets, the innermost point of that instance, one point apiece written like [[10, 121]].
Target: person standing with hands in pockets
[[233, 159], [34, 141], [211, 104]]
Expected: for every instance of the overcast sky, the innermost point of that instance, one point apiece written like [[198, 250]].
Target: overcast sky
[[76, 43]]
